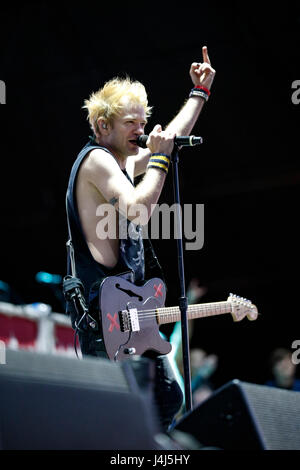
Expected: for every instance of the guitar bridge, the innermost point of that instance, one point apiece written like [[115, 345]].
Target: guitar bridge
[[129, 320]]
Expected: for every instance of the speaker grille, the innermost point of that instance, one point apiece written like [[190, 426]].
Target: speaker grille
[[277, 414], [246, 416], [93, 373], [53, 402]]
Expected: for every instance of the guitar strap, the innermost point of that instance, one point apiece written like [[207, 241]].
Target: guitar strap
[[69, 244], [73, 288]]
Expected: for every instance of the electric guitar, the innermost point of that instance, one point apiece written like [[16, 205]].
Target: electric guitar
[[131, 315]]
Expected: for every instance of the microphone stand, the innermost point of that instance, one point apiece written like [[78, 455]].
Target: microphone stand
[[183, 302]]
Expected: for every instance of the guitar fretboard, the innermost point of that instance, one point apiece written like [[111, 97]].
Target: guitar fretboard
[[172, 314]]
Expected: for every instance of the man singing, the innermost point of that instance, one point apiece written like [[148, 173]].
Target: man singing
[[104, 173]]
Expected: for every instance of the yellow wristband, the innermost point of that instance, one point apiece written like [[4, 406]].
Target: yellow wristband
[[160, 161]]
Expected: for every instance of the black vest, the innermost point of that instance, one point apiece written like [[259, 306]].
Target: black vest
[[136, 256]]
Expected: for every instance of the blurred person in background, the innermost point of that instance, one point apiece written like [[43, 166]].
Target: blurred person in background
[[283, 370]]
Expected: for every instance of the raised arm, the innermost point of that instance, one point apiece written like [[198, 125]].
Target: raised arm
[[202, 75]]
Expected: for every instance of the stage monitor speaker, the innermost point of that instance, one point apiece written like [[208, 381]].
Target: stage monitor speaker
[[245, 416], [54, 402]]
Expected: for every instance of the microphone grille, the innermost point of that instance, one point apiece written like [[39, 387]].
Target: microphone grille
[[141, 141]]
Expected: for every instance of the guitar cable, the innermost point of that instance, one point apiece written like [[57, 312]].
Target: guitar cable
[[122, 345], [73, 292], [77, 329]]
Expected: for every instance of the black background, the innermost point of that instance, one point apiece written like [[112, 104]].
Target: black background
[[246, 173]]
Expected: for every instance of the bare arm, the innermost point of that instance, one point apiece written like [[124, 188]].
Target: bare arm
[[104, 173], [201, 74], [183, 123]]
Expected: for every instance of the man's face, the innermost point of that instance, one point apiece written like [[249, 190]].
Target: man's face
[[125, 130]]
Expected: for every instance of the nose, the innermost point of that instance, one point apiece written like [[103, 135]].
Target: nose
[[139, 129]]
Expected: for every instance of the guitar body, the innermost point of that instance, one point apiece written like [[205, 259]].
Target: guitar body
[[138, 304], [130, 315]]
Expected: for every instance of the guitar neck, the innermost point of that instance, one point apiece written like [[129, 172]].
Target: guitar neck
[[172, 314]]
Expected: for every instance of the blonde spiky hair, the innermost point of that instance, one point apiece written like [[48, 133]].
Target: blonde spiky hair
[[108, 102]]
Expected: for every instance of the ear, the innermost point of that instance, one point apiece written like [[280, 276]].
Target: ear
[[103, 126]]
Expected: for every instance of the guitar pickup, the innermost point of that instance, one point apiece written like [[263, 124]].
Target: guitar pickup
[[129, 320], [134, 319]]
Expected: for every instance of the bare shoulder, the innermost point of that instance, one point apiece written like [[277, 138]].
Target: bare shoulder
[[98, 160], [102, 172]]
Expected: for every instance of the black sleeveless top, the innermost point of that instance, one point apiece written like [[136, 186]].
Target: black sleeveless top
[[132, 250]]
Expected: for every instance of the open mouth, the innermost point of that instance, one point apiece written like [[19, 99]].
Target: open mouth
[[133, 142]]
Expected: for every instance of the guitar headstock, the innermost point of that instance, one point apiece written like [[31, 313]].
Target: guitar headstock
[[241, 308]]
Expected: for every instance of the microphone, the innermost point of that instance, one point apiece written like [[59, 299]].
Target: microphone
[[187, 141]]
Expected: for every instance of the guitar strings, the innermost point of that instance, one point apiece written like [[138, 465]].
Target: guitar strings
[[151, 313], [190, 308], [195, 307]]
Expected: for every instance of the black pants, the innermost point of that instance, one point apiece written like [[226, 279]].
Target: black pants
[[167, 396]]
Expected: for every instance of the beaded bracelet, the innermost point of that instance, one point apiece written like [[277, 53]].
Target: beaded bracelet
[[200, 91], [160, 161]]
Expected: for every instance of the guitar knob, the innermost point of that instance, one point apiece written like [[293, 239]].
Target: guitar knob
[[129, 351]]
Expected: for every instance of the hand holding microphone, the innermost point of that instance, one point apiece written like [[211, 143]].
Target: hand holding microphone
[[158, 141], [181, 141], [161, 144]]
